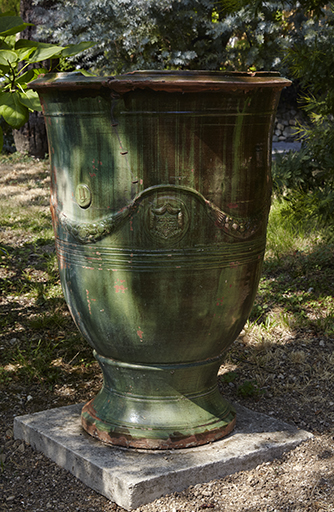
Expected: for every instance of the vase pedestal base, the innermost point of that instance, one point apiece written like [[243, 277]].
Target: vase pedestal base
[[158, 406]]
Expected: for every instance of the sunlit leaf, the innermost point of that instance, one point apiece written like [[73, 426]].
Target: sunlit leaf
[[45, 52], [7, 57], [13, 111], [24, 53], [30, 100]]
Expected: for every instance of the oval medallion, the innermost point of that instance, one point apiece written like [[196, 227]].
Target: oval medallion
[[83, 196]]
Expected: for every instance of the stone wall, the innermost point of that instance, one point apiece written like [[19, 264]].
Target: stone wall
[[286, 123]]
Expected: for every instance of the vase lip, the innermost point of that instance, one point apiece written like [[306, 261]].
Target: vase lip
[[163, 80]]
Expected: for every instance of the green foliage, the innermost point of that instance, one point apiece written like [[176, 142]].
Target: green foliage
[[307, 178], [189, 34], [16, 59], [304, 180], [10, 5], [294, 171]]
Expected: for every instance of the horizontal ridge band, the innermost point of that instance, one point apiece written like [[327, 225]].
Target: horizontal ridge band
[[204, 257]]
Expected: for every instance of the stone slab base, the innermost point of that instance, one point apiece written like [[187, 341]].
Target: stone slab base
[[132, 477]]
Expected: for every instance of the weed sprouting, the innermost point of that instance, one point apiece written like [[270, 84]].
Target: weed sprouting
[[249, 388], [228, 377]]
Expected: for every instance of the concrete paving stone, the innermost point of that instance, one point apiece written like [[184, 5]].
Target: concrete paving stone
[[133, 477]]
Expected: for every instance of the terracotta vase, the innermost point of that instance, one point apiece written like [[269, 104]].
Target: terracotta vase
[[160, 198]]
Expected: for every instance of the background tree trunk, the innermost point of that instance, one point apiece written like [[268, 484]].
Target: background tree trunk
[[31, 138]]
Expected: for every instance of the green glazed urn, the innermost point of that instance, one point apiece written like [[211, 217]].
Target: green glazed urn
[[160, 197]]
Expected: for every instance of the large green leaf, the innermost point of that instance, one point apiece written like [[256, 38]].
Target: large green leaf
[[73, 49], [26, 43], [4, 46], [13, 111], [30, 100], [24, 53], [45, 52], [7, 57], [10, 25]]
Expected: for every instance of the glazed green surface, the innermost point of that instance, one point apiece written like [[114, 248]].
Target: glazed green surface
[[160, 203]]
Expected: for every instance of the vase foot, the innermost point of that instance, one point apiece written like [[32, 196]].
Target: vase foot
[[158, 406], [154, 439]]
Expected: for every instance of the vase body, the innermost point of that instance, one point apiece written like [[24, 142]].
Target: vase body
[[160, 198]]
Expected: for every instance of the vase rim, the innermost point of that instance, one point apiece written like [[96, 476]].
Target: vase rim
[[164, 80]]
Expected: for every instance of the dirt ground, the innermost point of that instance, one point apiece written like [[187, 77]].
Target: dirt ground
[[301, 480]]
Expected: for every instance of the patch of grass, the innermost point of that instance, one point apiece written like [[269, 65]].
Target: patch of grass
[[297, 356], [48, 321], [296, 288], [34, 361], [29, 220], [286, 237], [16, 158], [40, 341]]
